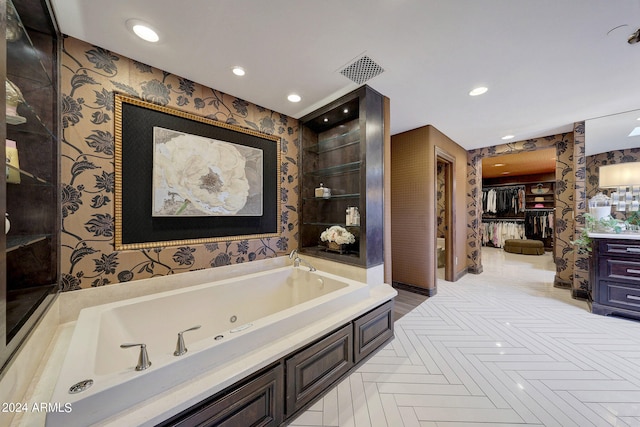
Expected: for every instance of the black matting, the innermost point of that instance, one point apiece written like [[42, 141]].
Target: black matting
[[139, 226]]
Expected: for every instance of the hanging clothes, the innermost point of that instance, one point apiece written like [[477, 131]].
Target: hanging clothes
[[497, 232], [503, 200], [538, 224]]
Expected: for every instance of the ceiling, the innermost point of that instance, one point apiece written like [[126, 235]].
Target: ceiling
[[524, 163], [547, 63]]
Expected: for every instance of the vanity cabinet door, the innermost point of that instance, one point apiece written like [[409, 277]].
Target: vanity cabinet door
[[310, 372], [256, 403]]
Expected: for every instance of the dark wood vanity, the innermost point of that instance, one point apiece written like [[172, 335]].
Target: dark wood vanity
[[615, 276]]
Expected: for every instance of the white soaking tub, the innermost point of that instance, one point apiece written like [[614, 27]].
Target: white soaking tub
[[236, 316]]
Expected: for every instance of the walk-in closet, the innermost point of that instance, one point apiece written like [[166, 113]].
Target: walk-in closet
[[518, 198]]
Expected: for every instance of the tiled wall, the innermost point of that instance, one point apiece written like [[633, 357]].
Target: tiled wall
[[565, 198], [90, 75]]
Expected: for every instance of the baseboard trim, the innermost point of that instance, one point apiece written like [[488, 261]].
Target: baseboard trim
[[475, 269], [460, 274], [559, 283], [580, 294], [415, 289]]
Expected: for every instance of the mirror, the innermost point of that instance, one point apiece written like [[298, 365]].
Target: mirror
[[612, 132]]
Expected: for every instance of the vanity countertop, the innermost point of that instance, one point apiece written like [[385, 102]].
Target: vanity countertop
[[622, 236]]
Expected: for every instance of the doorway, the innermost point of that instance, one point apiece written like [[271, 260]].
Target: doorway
[[445, 227]]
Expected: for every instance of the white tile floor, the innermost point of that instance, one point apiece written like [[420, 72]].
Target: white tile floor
[[503, 348]]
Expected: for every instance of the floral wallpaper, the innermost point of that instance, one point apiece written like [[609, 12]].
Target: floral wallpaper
[[565, 199], [90, 76], [580, 279]]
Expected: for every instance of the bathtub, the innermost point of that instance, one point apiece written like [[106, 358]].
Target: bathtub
[[236, 316]]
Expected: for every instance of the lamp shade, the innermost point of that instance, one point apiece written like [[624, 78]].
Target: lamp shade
[[620, 175]]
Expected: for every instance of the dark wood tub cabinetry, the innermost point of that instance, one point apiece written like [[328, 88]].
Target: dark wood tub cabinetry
[[256, 402], [280, 392]]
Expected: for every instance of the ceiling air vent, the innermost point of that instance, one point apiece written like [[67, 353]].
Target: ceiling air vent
[[362, 70]]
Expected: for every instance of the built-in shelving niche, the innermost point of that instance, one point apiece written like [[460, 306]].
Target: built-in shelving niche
[[342, 149]]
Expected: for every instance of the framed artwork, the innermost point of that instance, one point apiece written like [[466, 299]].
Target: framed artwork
[[196, 176], [184, 179]]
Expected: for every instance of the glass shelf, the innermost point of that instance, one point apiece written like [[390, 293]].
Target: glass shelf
[[336, 170], [17, 242], [335, 196], [31, 178], [21, 50], [333, 143], [27, 72], [329, 224]]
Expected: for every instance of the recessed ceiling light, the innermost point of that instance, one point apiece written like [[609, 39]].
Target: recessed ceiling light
[[506, 173], [143, 30], [478, 91], [499, 164], [346, 110], [294, 97], [326, 120], [238, 71], [508, 137]]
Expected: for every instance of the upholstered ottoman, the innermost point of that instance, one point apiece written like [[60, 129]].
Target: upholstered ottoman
[[525, 247]]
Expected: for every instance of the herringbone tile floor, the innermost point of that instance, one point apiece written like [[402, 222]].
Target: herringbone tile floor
[[503, 348]]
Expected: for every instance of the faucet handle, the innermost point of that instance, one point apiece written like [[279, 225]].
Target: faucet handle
[[180, 347], [143, 358], [293, 253]]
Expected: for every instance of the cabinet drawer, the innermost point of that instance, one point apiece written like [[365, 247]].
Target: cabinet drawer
[[624, 269], [312, 370], [630, 248], [619, 295]]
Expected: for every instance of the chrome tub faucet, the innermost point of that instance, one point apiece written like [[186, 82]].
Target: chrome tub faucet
[[297, 260]]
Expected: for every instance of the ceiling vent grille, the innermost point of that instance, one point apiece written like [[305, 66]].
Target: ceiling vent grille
[[362, 70]]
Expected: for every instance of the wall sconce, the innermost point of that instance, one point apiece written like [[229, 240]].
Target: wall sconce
[[625, 179]]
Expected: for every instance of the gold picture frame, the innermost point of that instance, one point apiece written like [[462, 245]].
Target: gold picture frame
[[135, 226]]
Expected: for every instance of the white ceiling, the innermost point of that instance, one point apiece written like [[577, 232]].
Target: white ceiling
[[547, 63]]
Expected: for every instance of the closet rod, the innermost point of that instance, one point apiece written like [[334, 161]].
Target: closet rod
[[503, 186], [502, 219]]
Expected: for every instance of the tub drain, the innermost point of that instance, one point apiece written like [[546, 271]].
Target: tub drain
[[80, 387]]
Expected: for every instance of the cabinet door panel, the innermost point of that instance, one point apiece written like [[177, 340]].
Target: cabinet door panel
[[257, 403], [372, 330], [311, 371]]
